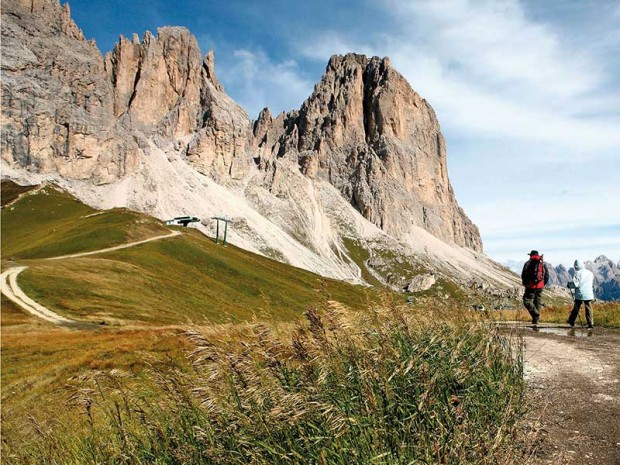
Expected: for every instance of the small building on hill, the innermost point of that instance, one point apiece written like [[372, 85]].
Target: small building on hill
[[182, 221]]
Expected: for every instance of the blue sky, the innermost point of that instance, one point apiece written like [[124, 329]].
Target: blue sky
[[527, 94]]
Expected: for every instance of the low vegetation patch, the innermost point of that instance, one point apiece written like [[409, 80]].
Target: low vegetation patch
[[51, 223], [10, 191], [606, 314], [360, 255], [386, 387]]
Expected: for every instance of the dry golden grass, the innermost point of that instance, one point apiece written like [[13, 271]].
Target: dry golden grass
[[606, 314], [37, 360], [392, 385], [11, 315]]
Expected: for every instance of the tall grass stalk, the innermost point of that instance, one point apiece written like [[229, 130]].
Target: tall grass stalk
[[385, 387]]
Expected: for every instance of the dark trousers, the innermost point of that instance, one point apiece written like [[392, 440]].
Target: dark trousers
[[532, 299], [575, 312]]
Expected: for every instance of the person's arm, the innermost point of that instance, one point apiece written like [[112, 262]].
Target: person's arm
[[523, 274], [546, 273]]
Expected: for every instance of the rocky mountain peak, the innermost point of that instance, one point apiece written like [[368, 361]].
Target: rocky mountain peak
[[59, 16], [603, 260], [209, 66], [366, 132], [157, 81], [354, 60], [342, 103], [363, 146]]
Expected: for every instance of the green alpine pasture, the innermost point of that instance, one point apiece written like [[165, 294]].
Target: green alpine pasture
[[169, 281], [182, 279], [51, 223]]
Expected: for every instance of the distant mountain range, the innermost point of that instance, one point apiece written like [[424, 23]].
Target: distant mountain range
[[606, 276]]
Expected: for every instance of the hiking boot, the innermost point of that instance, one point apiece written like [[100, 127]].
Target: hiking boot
[[572, 325], [590, 327]]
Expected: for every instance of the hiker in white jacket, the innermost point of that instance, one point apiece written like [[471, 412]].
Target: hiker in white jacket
[[583, 283]]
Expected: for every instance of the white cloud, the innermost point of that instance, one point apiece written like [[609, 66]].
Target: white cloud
[[494, 42], [490, 72], [467, 107], [255, 80]]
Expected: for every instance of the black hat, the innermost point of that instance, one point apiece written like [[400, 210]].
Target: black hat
[[533, 252]]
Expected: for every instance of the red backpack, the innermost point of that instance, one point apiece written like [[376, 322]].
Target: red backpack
[[535, 271]]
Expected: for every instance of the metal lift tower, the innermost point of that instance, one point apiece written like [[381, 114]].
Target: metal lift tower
[[217, 228]]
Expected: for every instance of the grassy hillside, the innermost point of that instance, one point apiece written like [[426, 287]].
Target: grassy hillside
[[51, 223], [142, 293], [11, 191], [180, 279], [169, 281]]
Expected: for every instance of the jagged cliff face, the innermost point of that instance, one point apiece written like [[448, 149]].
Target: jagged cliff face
[[150, 124], [68, 110], [161, 84], [157, 82], [365, 131], [56, 101]]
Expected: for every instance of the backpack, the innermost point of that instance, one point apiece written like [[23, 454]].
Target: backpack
[[535, 272]]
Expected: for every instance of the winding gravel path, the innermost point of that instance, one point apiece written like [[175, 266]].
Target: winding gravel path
[[10, 288], [573, 376], [574, 379]]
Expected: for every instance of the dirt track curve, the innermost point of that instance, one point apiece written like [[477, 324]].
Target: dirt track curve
[[10, 288]]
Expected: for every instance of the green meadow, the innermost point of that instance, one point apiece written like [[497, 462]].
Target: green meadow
[[183, 279], [51, 223], [190, 352]]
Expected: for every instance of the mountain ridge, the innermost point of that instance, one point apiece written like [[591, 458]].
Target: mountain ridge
[[150, 127]]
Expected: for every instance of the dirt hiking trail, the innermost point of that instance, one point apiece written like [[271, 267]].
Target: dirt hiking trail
[[10, 288], [573, 377]]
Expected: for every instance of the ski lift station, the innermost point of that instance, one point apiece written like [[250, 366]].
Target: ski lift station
[[182, 221]]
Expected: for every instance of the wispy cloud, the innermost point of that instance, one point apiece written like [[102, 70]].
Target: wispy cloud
[[495, 43], [255, 80], [489, 71]]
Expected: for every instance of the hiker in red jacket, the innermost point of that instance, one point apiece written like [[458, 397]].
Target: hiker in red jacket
[[535, 276]]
